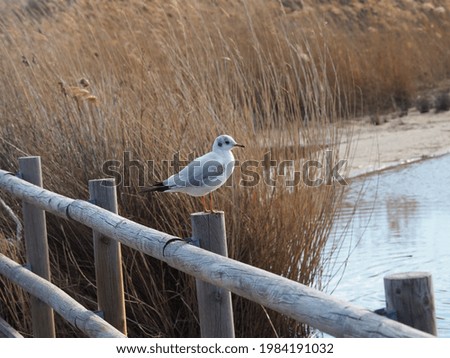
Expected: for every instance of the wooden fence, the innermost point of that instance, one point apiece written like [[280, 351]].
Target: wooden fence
[[216, 275]]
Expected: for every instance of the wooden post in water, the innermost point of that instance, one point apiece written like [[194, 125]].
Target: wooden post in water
[[214, 303], [411, 296], [37, 248], [108, 259]]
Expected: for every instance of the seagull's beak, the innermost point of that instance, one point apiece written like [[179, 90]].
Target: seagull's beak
[[239, 145]]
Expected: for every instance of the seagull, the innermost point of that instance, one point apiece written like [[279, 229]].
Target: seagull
[[204, 174]]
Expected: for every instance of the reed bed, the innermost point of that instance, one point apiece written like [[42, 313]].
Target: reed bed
[[142, 83]]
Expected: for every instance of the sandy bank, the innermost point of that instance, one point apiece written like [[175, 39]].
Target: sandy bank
[[398, 141]]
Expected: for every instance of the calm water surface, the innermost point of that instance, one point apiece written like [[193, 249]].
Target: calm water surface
[[402, 223]]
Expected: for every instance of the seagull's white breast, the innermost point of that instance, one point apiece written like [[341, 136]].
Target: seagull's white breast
[[204, 174]]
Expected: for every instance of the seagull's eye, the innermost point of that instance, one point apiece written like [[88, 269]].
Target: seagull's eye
[[227, 142]]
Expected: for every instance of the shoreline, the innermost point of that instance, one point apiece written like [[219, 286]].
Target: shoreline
[[397, 142]]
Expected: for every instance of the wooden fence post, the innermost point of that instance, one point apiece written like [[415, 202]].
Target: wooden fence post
[[411, 296], [37, 248], [214, 303], [108, 259]]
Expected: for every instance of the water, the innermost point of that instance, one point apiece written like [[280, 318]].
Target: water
[[402, 223]]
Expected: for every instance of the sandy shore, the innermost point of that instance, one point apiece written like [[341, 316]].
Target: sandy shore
[[398, 141]]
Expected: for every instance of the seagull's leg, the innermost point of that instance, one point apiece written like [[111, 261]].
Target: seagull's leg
[[211, 202], [204, 205]]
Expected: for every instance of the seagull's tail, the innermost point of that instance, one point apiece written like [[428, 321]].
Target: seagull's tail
[[155, 187]]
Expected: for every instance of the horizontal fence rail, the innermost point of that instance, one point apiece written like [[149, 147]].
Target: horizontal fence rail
[[78, 316], [300, 302], [7, 331]]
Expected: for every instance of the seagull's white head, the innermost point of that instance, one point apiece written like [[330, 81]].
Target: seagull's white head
[[224, 143]]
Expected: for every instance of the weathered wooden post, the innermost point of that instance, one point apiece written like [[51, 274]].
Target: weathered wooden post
[[214, 303], [411, 296], [37, 248], [108, 259]]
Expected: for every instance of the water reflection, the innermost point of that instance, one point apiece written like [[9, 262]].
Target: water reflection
[[399, 212], [402, 223]]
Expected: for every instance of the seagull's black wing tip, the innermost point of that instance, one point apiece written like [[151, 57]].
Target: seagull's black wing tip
[[155, 187]]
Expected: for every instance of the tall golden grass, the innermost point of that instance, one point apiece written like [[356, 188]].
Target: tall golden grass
[[385, 53], [82, 84]]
